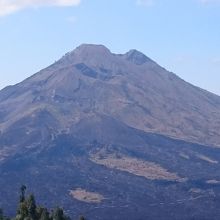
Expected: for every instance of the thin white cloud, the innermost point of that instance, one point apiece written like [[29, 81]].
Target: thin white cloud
[[11, 6], [145, 3]]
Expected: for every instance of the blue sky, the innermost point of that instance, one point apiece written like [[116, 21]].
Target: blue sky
[[182, 36]]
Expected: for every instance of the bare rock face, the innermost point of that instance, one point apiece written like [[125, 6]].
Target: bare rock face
[[92, 100]]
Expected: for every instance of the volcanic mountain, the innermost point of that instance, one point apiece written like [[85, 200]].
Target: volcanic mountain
[[113, 136]]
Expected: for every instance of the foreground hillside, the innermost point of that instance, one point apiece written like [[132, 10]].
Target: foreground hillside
[[112, 136]]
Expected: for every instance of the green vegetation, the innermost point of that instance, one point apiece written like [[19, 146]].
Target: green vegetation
[[29, 210]]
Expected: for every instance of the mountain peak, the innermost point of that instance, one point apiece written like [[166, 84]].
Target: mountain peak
[[137, 57], [91, 49], [88, 53]]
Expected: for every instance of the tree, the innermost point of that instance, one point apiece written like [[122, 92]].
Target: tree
[[29, 210], [1, 215], [44, 215], [31, 206], [58, 214], [82, 218], [22, 191], [22, 211]]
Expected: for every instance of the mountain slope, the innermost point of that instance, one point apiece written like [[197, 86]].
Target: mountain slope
[[118, 125], [130, 87]]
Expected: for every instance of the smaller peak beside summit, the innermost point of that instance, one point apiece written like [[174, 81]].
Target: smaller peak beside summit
[[137, 57]]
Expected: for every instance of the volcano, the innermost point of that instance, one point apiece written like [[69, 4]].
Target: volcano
[[111, 136]]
